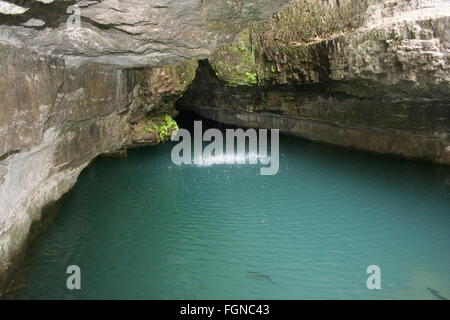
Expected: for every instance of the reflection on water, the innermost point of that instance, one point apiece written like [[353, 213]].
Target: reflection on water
[[237, 158]]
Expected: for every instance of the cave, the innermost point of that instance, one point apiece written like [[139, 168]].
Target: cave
[[316, 157]]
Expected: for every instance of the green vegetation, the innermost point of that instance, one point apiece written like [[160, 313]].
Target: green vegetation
[[164, 125], [236, 63], [252, 78]]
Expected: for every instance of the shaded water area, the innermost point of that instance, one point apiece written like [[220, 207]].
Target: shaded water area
[[144, 228]]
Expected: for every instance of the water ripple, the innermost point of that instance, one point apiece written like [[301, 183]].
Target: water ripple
[[142, 228]]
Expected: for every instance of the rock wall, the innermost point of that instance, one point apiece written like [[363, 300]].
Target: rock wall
[[129, 33], [55, 119], [373, 75]]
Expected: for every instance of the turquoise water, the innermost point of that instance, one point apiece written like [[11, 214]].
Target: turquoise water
[[143, 228]]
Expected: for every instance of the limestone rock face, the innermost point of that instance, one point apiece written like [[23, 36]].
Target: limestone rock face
[[374, 75], [340, 40], [56, 118], [129, 32]]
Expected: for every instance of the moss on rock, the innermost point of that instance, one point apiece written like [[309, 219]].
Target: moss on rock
[[280, 50], [236, 63]]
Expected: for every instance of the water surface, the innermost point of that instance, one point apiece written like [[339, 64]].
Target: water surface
[[143, 228]]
